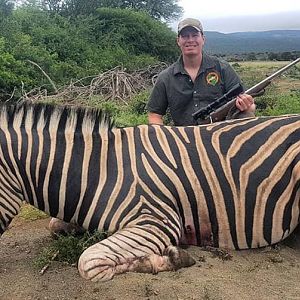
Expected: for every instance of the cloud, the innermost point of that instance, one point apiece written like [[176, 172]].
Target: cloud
[[288, 20], [221, 8], [279, 21]]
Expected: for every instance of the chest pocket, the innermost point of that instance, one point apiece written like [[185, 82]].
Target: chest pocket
[[209, 87]]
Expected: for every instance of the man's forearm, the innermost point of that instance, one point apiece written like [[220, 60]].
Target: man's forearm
[[154, 118]]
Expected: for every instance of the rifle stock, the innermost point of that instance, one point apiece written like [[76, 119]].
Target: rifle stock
[[221, 113]]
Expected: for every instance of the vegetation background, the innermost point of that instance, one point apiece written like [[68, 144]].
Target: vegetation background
[[47, 46]]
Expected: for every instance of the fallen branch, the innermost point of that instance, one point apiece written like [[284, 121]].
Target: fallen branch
[[45, 74], [45, 268], [116, 85]]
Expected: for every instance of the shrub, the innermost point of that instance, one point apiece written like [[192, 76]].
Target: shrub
[[67, 48], [279, 105], [68, 248]]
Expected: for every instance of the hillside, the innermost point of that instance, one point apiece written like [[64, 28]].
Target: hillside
[[245, 42]]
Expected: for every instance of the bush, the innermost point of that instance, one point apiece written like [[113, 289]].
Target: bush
[[130, 113], [136, 32], [68, 248], [13, 74], [69, 49], [279, 105]]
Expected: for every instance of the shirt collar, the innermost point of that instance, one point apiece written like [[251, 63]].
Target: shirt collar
[[178, 66], [207, 63]]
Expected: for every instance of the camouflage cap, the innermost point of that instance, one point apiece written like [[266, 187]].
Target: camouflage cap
[[190, 22]]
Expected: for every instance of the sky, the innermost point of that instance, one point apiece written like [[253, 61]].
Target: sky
[[251, 15]]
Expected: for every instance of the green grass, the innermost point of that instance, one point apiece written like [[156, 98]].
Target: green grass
[[64, 248], [67, 248], [31, 213], [280, 104]]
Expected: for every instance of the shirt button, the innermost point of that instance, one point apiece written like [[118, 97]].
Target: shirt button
[[196, 105], [195, 92]]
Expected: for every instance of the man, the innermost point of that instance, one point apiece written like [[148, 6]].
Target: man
[[194, 81]]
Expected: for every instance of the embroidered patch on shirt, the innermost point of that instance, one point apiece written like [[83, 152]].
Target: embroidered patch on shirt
[[212, 78]]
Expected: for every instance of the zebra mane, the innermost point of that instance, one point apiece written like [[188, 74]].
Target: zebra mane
[[61, 117]]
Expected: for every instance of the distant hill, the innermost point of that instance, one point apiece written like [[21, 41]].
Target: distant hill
[[245, 42]]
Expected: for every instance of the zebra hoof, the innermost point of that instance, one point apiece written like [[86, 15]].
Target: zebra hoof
[[59, 227], [179, 258], [173, 259]]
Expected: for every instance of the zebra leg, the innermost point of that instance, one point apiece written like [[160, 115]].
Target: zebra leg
[[57, 227], [123, 252]]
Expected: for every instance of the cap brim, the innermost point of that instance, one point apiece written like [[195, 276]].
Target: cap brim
[[198, 29]]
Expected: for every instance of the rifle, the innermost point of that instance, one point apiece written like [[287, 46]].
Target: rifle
[[218, 110]]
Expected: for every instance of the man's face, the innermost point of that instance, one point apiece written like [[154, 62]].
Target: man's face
[[190, 41]]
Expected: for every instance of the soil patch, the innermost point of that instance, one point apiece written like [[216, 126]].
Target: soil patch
[[268, 273]]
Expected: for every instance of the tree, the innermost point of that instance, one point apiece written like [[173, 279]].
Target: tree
[[164, 10], [136, 32], [71, 48], [6, 8], [13, 73], [72, 8], [286, 56], [55, 6]]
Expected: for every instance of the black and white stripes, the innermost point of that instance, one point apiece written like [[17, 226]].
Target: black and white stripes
[[233, 184]]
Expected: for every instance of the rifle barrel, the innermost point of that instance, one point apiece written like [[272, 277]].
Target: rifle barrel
[[253, 89]]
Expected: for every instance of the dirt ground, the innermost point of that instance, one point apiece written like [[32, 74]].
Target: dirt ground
[[270, 273]]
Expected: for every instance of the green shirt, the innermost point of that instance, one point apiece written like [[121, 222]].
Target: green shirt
[[175, 89]]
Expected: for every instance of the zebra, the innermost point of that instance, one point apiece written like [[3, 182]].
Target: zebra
[[233, 184]]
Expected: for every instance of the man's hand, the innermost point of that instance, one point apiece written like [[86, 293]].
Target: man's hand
[[245, 102], [154, 118]]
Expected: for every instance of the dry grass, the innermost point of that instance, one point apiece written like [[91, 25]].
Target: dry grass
[[252, 72]]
